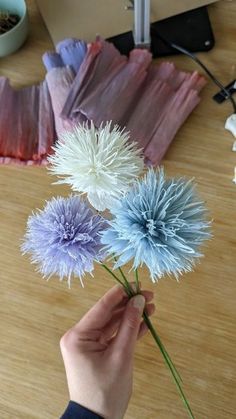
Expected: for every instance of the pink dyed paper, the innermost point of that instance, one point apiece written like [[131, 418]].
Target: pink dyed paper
[[26, 123]]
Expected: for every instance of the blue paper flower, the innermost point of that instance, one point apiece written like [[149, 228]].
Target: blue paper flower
[[64, 238], [160, 223]]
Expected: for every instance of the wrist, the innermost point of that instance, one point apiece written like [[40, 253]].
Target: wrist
[[100, 404]]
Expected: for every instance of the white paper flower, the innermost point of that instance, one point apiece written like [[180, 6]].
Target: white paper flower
[[99, 162]]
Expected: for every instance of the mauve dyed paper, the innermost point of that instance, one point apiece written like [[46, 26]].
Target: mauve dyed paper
[[26, 123], [151, 101], [96, 83]]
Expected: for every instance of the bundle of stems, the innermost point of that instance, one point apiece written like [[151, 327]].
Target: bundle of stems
[[130, 291]]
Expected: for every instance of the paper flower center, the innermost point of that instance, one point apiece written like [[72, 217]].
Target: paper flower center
[[151, 227], [67, 231], [96, 170]]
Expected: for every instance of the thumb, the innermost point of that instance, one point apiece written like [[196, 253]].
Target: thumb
[[129, 327]]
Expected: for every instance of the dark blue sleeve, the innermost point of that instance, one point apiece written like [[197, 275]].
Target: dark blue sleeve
[[76, 411]]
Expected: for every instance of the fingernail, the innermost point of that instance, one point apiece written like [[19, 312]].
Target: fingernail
[[139, 302]]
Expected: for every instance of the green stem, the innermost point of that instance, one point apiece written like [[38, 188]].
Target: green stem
[[163, 348], [170, 361], [112, 273], [136, 280], [169, 364], [130, 292], [127, 287]]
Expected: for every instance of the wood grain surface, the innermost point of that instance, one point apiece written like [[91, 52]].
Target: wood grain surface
[[195, 317]]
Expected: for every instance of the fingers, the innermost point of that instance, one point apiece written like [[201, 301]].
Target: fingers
[[124, 341], [102, 322], [94, 341], [113, 325], [148, 295], [100, 314]]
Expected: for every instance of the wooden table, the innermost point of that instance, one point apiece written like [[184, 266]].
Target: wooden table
[[196, 317]]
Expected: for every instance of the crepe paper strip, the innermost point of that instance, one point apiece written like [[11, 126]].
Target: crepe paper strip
[[195, 81], [30, 133], [59, 81], [108, 59], [113, 98], [80, 79], [176, 111], [141, 57], [162, 98], [6, 97], [160, 84], [111, 92], [52, 60], [46, 123], [87, 103], [167, 72], [101, 58], [179, 108], [64, 43], [26, 112], [142, 121], [69, 52], [73, 54]]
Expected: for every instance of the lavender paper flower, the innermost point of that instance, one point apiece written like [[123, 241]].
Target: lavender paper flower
[[160, 223], [64, 238]]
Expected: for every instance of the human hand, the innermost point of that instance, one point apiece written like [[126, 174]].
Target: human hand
[[98, 352]]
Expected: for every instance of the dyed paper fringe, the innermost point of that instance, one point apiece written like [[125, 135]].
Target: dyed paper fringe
[[96, 82]]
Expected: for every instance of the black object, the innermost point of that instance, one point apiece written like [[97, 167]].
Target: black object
[[76, 411], [192, 30], [221, 96]]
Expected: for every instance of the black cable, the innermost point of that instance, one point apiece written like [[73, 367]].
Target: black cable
[[199, 62]]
